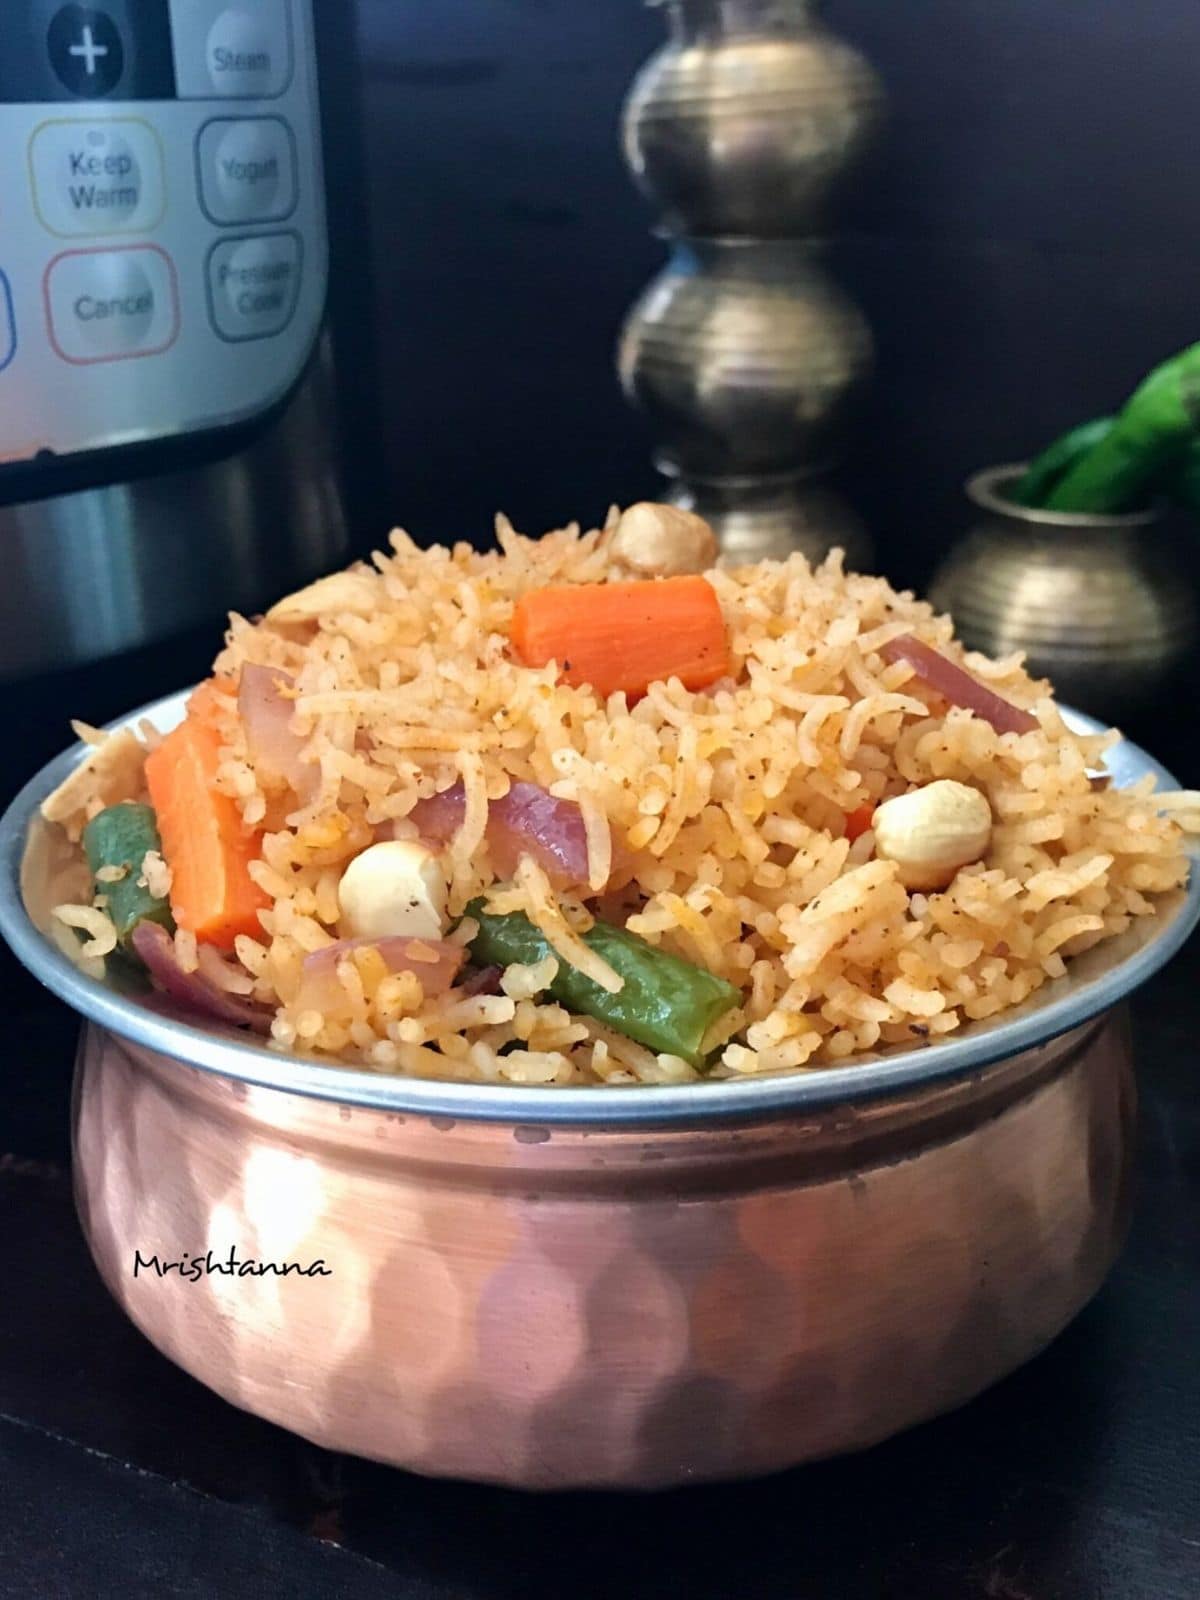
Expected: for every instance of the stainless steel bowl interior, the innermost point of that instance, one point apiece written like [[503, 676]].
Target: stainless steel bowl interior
[[31, 854]]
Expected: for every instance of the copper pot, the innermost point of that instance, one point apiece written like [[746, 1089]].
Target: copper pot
[[567, 1307], [600, 1287]]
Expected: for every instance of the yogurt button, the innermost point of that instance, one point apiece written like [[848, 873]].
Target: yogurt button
[[247, 169], [253, 285]]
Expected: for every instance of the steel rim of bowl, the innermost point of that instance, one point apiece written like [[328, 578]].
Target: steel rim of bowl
[[724, 1100]]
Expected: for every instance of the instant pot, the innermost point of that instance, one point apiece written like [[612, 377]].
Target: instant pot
[[179, 325]]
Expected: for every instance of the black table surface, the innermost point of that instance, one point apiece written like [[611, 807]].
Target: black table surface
[[1078, 1478]]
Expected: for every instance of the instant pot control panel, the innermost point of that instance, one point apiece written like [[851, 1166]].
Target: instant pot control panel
[[163, 254]]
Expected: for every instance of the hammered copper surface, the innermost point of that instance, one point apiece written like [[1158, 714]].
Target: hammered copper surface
[[556, 1307]]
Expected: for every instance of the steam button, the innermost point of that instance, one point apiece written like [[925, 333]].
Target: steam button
[[230, 52]]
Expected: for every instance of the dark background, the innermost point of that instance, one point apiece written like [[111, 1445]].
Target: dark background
[[1024, 244]]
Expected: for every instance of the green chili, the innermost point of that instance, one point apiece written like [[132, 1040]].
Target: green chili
[[1142, 449], [1057, 459], [1185, 488]]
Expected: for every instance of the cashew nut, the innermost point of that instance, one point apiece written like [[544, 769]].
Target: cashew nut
[[395, 888], [355, 592], [656, 541], [932, 832]]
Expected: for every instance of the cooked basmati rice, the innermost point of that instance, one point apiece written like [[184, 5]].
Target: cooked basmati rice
[[101, 938], [716, 819]]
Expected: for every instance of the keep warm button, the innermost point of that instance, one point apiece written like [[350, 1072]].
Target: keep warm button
[[110, 305], [103, 176], [253, 285]]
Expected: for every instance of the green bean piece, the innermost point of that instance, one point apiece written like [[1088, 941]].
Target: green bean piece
[[667, 1004], [120, 837], [1143, 449], [1057, 459]]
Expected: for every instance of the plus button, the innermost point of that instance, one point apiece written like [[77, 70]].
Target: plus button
[[89, 50], [85, 50]]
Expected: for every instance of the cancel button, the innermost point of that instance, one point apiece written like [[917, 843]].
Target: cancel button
[[108, 305], [253, 285]]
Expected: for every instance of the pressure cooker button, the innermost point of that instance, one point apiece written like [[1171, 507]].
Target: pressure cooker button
[[108, 305], [231, 52], [253, 285], [247, 169], [92, 177]]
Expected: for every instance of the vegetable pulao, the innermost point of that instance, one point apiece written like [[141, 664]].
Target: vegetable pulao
[[591, 809]]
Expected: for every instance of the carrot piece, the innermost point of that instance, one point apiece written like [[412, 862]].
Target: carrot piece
[[858, 821], [204, 840], [625, 635]]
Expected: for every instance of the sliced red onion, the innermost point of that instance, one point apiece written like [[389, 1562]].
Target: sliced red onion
[[440, 817], [957, 686], [266, 712], [156, 948], [435, 962], [527, 821]]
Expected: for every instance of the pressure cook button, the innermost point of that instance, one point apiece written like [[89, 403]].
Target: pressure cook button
[[253, 285], [247, 169], [92, 177], [231, 51], [108, 305]]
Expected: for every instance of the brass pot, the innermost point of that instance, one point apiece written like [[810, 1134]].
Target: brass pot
[[597, 1287], [748, 118], [1100, 604], [746, 357], [769, 518]]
